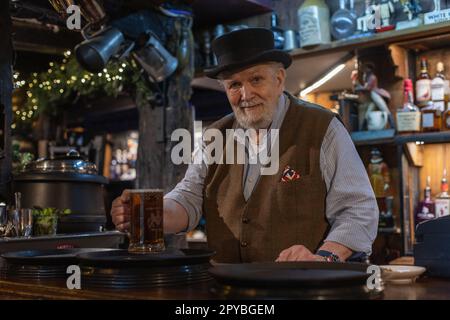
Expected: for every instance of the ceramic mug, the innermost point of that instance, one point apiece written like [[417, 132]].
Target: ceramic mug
[[376, 120]]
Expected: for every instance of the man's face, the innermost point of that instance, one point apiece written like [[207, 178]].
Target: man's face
[[253, 94]]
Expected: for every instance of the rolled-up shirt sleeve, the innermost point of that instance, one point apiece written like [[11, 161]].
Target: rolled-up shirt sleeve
[[189, 191], [351, 206]]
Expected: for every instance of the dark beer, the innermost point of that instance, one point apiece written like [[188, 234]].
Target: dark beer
[[146, 221]]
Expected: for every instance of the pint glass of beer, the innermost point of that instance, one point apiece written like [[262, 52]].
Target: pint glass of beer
[[146, 221]]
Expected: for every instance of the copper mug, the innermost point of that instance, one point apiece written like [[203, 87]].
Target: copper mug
[[146, 221]]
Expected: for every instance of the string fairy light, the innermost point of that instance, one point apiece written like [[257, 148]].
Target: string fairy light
[[58, 84]]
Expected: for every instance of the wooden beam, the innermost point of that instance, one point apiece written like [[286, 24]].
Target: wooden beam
[[6, 88], [30, 35]]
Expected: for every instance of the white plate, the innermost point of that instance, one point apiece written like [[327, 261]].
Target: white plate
[[401, 274]]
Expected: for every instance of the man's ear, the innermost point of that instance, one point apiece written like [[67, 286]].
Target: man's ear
[[281, 77]]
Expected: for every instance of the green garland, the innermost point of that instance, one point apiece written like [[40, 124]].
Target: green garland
[[65, 81]]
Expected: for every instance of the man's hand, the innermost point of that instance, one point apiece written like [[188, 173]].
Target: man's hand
[[121, 211], [298, 253], [175, 216]]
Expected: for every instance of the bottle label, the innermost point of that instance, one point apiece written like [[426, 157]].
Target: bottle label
[[423, 90], [408, 121], [311, 28], [447, 121], [439, 105], [428, 120], [437, 92], [442, 207]]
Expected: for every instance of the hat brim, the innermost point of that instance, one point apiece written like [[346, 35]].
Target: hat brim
[[274, 55]]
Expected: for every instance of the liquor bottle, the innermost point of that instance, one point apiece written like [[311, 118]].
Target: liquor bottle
[[3, 216], [314, 23], [207, 52], [379, 177], [446, 120], [431, 118], [446, 115], [278, 33], [438, 92], [426, 208], [342, 23], [431, 114], [408, 116], [423, 85], [438, 88], [443, 199]]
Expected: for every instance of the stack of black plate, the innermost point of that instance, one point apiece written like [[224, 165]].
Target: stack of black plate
[[119, 269], [40, 266], [293, 280]]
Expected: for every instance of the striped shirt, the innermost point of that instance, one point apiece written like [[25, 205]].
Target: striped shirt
[[351, 207]]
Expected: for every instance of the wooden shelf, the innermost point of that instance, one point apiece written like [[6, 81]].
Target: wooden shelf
[[361, 138], [376, 39], [388, 231], [431, 137]]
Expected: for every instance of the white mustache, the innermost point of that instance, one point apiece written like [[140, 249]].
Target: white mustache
[[248, 104]]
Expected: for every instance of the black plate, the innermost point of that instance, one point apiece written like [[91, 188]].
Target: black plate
[[122, 258], [48, 257], [290, 274]]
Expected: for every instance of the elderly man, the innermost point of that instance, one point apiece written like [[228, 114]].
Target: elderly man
[[318, 206]]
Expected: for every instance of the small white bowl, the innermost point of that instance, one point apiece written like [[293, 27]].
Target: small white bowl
[[401, 274]]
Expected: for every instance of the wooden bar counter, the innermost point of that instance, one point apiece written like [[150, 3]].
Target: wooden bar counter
[[423, 289]]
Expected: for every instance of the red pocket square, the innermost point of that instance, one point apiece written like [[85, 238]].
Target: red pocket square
[[289, 174]]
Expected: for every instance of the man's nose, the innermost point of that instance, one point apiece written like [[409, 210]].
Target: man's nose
[[246, 92]]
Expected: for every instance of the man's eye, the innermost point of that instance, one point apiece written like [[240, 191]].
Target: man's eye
[[257, 80], [234, 85]]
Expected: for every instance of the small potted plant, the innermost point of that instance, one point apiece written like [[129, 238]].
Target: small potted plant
[[45, 220]]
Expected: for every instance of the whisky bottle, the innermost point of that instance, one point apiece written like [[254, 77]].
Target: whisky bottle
[[426, 208], [423, 85], [443, 199], [438, 88], [431, 118], [446, 120], [446, 116], [438, 92], [408, 116]]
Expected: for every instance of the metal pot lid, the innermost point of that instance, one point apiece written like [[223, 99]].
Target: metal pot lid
[[72, 162]]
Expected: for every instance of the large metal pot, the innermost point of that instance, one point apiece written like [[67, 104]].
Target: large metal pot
[[65, 183]]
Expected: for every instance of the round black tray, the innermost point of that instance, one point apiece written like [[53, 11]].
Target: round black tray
[[291, 274], [124, 259], [48, 257]]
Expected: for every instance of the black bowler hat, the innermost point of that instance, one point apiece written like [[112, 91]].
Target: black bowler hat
[[245, 47]]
